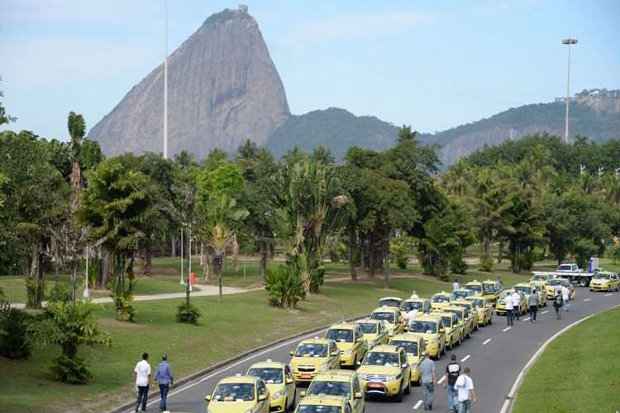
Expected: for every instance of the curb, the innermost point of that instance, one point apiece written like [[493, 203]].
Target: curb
[[154, 395], [511, 397]]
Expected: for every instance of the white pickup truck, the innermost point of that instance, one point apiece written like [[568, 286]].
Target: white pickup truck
[[571, 272]]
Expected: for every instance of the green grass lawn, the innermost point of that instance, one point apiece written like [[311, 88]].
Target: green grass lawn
[[578, 372]]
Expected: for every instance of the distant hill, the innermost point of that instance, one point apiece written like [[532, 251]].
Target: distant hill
[[334, 128], [593, 115]]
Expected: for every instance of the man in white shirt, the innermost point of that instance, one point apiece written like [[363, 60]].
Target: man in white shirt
[[142, 372], [565, 297], [509, 309], [516, 303], [465, 391], [455, 285]]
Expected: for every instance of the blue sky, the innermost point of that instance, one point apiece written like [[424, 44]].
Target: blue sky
[[432, 64]]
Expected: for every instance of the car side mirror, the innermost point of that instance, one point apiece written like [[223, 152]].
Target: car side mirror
[[292, 353], [208, 397], [262, 397], [302, 394], [335, 353], [359, 362], [358, 395], [404, 366]]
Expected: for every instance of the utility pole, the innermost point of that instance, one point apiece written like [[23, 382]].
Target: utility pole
[[166, 80], [569, 42]]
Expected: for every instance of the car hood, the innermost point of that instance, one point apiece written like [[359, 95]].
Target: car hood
[[344, 346], [379, 370], [274, 387], [230, 407], [413, 360], [308, 361]]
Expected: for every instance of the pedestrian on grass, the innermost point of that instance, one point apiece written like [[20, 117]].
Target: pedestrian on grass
[[163, 376], [142, 372], [453, 371], [427, 368], [465, 391], [455, 285], [558, 302], [565, 297], [509, 309], [516, 303], [532, 302]]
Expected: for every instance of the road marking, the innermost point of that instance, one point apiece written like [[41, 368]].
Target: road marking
[[587, 299], [545, 312], [464, 359], [608, 295], [442, 379], [417, 405], [526, 319], [487, 341], [506, 329]]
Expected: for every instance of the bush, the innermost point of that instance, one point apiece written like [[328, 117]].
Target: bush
[[124, 309], [458, 265], [71, 370], [284, 286], [187, 313], [14, 340], [59, 294], [400, 248], [486, 263]]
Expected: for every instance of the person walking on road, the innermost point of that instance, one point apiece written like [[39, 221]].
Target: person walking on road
[[516, 304], [509, 309], [142, 372], [558, 301], [465, 389], [453, 371], [532, 302], [163, 376], [427, 367], [565, 297]]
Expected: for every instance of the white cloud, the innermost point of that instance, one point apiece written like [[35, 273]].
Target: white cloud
[[358, 26]]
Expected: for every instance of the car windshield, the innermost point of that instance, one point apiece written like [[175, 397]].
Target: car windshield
[[228, 392], [446, 321], [539, 278], [390, 302], [489, 288], [603, 276], [524, 290], [332, 388], [565, 267], [311, 350], [380, 358], [479, 303], [458, 313], [506, 293], [368, 328], [317, 408], [417, 326], [410, 347], [340, 335], [386, 316], [475, 287], [441, 299], [461, 294], [412, 305], [555, 281], [269, 375]]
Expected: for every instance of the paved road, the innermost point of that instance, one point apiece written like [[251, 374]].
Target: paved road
[[495, 354]]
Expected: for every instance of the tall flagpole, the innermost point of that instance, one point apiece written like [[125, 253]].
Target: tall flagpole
[[166, 81]]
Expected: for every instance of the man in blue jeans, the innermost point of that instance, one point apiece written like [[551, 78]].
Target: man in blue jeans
[[465, 391], [163, 376], [427, 368], [453, 371]]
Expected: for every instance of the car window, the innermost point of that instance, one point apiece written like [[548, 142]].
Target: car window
[[269, 375], [383, 315], [234, 391], [410, 347], [311, 350], [317, 408], [340, 334], [418, 326], [330, 388]]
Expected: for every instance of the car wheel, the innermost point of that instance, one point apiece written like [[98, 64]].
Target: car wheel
[[399, 396], [408, 389]]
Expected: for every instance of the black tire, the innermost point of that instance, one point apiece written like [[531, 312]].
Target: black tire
[[408, 389], [399, 397]]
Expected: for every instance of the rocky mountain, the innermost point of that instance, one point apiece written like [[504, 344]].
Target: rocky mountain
[[223, 88]]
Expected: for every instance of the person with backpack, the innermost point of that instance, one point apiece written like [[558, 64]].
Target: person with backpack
[[532, 302], [558, 302], [453, 371]]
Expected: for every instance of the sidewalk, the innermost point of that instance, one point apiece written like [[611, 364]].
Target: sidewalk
[[199, 291]]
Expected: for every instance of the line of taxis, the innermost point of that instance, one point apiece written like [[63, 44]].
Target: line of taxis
[[378, 356]]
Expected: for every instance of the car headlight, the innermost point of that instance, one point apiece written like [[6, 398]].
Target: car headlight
[[347, 352], [392, 378], [278, 394], [363, 376]]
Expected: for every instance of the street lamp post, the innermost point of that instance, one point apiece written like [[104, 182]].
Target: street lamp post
[[166, 81], [569, 42], [86, 293]]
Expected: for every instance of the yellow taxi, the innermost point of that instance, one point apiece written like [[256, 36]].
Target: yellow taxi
[[528, 289], [344, 383], [280, 383], [475, 286], [453, 328], [462, 293], [430, 328], [414, 347], [555, 284], [350, 341], [421, 305], [491, 290], [440, 300], [471, 312], [484, 309], [605, 281], [313, 356], [390, 302], [540, 280], [464, 317], [374, 331], [323, 404], [385, 372], [392, 317], [239, 394], [500, 308]]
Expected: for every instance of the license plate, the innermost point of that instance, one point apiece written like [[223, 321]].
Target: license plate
[[305, 375], [375, 385]]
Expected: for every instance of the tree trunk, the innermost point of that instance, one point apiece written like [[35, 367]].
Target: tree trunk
[[235, 251], [148, 259], [107, 268], [173, 246], [264, 256], [34, 290], [218, 260], [352, 247]]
